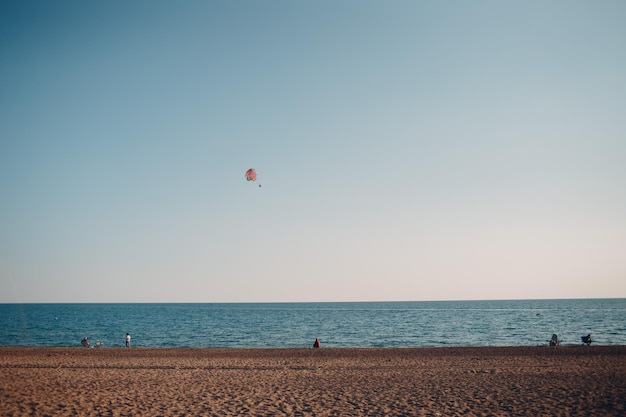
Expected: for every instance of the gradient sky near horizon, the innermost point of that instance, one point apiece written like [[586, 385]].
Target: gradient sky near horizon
[[407, 150]]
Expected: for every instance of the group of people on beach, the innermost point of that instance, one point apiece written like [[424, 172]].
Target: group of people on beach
[[85, 342], [556, 341]]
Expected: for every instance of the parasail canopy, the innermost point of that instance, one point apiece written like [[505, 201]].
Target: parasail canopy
[[251, 174]]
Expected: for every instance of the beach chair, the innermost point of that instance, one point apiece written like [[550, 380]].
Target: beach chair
[[586, 340], [555, 341]]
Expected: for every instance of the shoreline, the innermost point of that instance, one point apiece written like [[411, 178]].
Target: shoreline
[[103, 346], [433, 381], [142, 350]]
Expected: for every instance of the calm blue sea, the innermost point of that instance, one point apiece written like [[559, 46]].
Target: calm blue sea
[[368, 324]]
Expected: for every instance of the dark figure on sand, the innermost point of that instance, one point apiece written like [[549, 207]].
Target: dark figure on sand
[[316, 344], [555, 341]]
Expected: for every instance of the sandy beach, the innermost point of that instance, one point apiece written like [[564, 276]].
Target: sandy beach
[[482, 381]]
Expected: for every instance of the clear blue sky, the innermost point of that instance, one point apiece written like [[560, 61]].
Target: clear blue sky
[[407, 150]]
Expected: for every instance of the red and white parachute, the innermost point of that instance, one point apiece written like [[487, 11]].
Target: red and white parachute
[[251, 175]]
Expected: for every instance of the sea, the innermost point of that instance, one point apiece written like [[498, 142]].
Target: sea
[[296, 325]]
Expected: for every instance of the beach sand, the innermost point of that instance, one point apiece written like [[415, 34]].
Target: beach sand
[[481, 381]]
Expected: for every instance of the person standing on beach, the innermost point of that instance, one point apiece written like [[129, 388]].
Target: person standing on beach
[[127, 340]]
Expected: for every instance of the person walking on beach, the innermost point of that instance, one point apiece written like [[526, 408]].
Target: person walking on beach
[[127, 340]]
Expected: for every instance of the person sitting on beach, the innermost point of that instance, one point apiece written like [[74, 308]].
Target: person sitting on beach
[[316, 344], [555, 340], [85, 342]]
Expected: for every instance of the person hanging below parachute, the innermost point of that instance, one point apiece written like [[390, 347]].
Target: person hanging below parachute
[[251, 175]]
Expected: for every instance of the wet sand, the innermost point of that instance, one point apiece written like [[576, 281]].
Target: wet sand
[[482, 381]]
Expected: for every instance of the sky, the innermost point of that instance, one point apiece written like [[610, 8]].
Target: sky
[[406, 150]]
